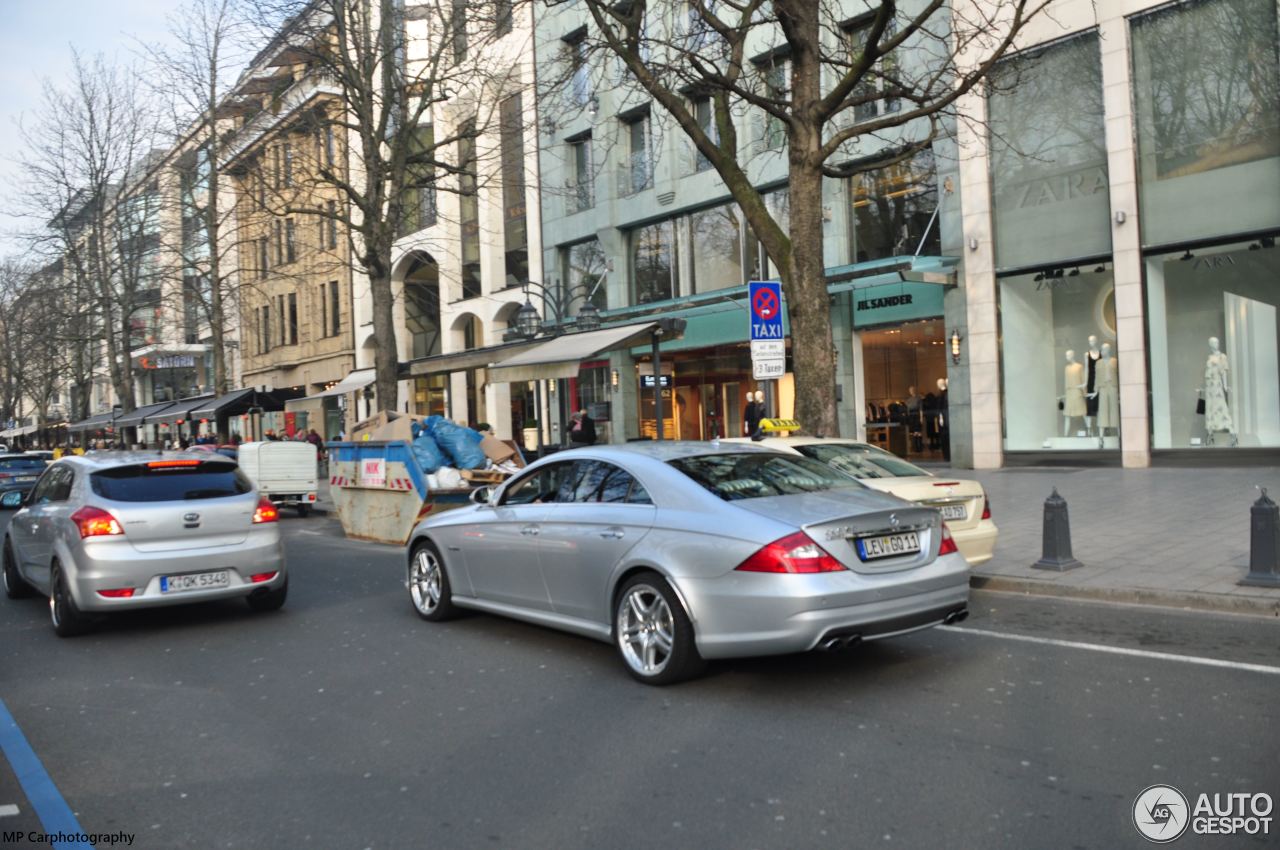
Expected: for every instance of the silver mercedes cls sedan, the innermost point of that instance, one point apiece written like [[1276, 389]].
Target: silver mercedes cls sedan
[[680, 552], [119, 530]]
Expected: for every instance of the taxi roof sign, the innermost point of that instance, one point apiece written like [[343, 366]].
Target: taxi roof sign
[[770, 426]]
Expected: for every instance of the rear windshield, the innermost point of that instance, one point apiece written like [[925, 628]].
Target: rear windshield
[[860, 461], [750, 476], [12, 463], [142, 483]]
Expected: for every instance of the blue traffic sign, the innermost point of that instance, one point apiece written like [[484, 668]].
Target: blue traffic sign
[[765, 300]]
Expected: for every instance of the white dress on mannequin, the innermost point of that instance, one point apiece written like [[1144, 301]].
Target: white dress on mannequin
[[1108, 386], [1217, 413], [1073, 381]]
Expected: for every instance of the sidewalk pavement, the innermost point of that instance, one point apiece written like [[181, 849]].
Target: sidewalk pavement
[[1172, 537]]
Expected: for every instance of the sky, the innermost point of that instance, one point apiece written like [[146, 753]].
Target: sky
[[36, 39]]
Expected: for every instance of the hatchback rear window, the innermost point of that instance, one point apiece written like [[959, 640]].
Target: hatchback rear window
[[755, 475], [11, 463], [153, 483]]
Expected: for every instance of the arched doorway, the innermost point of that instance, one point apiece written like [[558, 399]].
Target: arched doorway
[[469, 332], [422, 306]]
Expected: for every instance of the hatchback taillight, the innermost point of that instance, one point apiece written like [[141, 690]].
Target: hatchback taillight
[[795, 553], [95, 522], [266, 512], [948, 546]]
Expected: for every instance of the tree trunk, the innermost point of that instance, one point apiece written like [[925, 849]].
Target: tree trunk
[[386, 359]]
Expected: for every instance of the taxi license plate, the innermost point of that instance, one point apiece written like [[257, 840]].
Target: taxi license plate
[[195, 581], [888, 546], [954, 512]]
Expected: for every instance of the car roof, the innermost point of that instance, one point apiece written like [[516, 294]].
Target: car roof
[[111, 459], [23, 455], [802, 440], [662, 450]]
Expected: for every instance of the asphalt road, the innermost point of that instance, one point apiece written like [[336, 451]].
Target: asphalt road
[[344, 721]]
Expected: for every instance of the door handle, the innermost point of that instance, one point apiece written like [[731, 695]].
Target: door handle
[[612, 533], [530, 531]]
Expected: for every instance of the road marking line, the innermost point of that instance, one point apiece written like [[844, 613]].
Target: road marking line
[[8, 811], [54, 813], [1119, 650]]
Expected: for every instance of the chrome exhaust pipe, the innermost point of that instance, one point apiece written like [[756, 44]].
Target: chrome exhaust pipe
[[829, 644], [852, 641], [956, 616]]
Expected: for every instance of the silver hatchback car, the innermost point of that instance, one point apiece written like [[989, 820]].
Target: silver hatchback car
[[122, 530]]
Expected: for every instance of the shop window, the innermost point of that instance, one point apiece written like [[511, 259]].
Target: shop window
[[469, 204], [653, 262], [1213, 324], [893, 210], [1206, 81], [1059, 361], [1049, 155]]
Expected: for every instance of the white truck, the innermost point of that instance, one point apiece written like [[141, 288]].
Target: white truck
[[283, 470]]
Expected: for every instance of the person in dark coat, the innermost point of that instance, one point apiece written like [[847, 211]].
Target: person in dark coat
[[583, 430]]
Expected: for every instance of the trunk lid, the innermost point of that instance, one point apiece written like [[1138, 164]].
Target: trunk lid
[[168, 505], [838, 520], [948, 495]]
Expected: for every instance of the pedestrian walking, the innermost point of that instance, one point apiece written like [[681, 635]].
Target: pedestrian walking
[[583, 430]]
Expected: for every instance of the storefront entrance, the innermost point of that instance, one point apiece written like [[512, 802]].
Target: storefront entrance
[[704, 394], [904, 385]]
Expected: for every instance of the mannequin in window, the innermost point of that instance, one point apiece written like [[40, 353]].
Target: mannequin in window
[[754, 412], [1073, 382], [1217, 409], [1108, 387], [944, 424], [1092, 356]]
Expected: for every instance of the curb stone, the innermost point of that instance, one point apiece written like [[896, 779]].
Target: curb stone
[[1218, 602]]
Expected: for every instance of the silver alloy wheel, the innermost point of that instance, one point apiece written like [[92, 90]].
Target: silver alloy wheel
[[425, 581], [56, 602], [646, 630]]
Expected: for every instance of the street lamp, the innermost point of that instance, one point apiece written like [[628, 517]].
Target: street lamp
[[527, 321], [588, 317]]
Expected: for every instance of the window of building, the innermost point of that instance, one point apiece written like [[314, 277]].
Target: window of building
[[283, 324], [322, 304], [420, 193], [264, 257], [575, 47], [1207, 110], [583, 194], [335, 309], [1049, 155], [584, 271], [501, 17], [469, 204], [716, 248], [1059, 360], [515, 229], [1213, 317], [894, 210], [290, 246], [264, 329], [293, 318], [279, 242], [331, 219], [704, 113], [775, 73], [879, 79], [458, 30], [639, 154], [328, 145], [288, 163], [422, 309], [654, 268]]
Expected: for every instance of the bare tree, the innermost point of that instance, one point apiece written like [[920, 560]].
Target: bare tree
[[404, 71], [818, 75], [94, 206]]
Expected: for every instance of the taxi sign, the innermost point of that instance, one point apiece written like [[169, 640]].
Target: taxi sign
[[770, 426]]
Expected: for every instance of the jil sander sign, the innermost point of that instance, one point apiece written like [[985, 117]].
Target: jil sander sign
[[896, 302]]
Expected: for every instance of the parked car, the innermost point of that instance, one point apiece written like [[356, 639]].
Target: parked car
[[963, 502], [124, 530], [43, 454], [679, 552], [284, 471], [18, 474]]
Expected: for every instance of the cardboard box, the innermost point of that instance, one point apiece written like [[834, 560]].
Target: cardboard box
[[386, 425], [496, 450], [516, 456]]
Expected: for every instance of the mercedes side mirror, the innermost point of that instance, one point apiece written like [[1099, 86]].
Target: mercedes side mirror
[[12, 500], [482, 495]]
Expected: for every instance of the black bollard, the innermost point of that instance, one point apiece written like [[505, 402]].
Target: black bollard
[[1057, 537], [1264, 544]]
